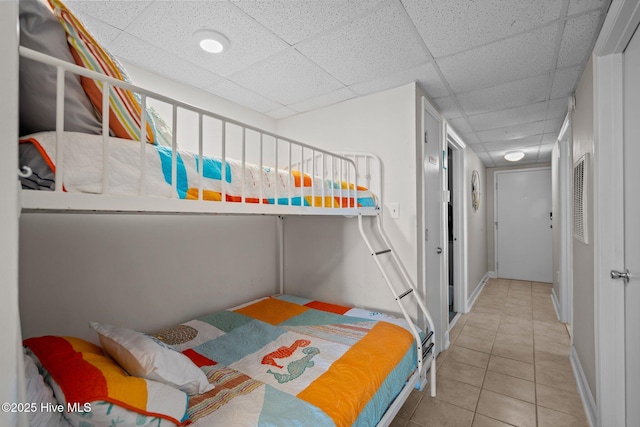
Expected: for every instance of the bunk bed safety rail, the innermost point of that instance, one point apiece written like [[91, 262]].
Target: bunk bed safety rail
[[368, 170], [337, 188]]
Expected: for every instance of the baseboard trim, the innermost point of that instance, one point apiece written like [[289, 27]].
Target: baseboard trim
[[588, 401], [556, 304], [474, 296]]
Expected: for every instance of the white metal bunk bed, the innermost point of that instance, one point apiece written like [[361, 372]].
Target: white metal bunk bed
[[325, 169]]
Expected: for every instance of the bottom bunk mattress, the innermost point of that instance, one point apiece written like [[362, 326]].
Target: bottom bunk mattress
[[291, 361]]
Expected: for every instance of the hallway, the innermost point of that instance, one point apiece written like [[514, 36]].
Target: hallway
[[508, 365]]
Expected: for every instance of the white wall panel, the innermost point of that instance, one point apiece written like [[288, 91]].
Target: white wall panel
[[321, 253], [144, 272]]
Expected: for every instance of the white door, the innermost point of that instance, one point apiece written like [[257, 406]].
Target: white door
[[632, 228], [523, 225], [433, 206]]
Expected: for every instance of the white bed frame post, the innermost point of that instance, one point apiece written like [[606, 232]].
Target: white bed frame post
[[12, 384], [424, 344]]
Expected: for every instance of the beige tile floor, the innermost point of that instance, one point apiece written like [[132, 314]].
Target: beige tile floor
[[508, 365]]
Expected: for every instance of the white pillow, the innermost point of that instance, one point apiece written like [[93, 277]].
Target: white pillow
[[143, 356]]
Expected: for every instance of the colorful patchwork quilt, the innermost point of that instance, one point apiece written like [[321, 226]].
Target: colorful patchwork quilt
[[83, 173], [290, 361]]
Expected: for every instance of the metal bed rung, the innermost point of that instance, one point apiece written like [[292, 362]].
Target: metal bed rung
[[386, 251], [404, 294], [426, 351], [427, 338]]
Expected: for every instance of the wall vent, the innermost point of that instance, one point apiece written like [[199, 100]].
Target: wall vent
[[580, 179]]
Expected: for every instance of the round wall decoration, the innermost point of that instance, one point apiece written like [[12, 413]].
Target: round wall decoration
[[475, 190]]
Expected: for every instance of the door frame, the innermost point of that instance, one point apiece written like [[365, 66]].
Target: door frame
[[440, 314], [618, 28], [495, 204], [565, 177], [460, 206]]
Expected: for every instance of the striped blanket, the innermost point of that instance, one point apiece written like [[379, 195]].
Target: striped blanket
[[85, 375], [83, 173], [286, 360]]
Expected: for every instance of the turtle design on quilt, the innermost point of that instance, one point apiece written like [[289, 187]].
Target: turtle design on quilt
[[297, 367]]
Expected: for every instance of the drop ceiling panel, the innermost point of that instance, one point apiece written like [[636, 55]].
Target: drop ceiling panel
[[460, 125], [424, 74], [553, 125], [250, 42], [377, 45], [530, 141], [323, 100], [119, 16], [297, 20], [511, 132], [549, 138], [448, 27], [243, 96], [447, 107], [281, 112], [100, 30], [287, 78], [564, 81], [153, 58], [545, 149], [577, 6], [558, 108], [471, 139], [509, 117], [574, 48], [521, 56], [506, 95], [486, 158]]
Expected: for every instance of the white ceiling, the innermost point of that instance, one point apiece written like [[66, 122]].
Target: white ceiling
[[500, 71]]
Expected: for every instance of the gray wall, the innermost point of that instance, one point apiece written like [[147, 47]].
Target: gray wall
[[144, 272], [476, 225], [584, 254]]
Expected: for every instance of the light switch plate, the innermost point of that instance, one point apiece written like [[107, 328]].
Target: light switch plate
[[395, 210]]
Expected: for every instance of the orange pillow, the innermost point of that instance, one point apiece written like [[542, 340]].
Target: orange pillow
[[124, 108]]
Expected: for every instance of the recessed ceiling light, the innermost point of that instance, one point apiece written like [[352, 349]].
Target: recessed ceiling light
[[514, 156], [211, 41]]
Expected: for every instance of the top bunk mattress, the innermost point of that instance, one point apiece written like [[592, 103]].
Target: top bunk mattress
[[150, 174]]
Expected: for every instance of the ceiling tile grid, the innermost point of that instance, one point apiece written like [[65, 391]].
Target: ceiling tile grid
[[297, 20], [500, 74], [449, 27], [288, 78], [573, 49], [171, 24], [520, 56], [371, 47]]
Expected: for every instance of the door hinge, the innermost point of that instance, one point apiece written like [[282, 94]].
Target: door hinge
[[426, 234], [496, 225], [426, 136]]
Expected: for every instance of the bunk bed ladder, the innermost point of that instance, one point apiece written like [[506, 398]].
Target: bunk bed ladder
[[424, 342]]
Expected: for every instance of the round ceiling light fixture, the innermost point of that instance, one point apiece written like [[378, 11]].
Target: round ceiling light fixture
[[514, 156], [211, 41]]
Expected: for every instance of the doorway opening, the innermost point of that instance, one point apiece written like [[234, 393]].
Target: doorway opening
[[450, 233]]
